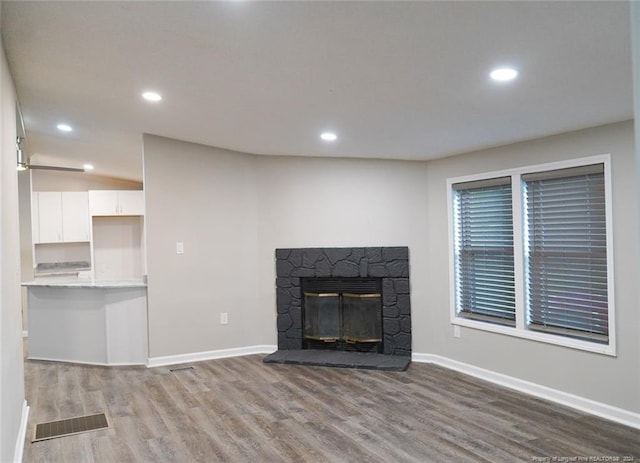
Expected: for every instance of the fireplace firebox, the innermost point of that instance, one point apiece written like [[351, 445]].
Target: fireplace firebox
[[342, 314], [344, 299]]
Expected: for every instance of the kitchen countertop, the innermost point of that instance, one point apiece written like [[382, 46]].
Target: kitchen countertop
[[84, 283]]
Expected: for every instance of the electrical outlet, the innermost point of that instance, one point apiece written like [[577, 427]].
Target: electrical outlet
[[179, 247], [224, 318], [456, 331]]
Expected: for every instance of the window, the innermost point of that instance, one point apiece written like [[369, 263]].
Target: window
[[566, 243], [531, 253], [485, 286]]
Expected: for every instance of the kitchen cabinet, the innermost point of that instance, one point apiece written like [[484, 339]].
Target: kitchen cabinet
[[49, 211], [75, 216], [60, 217], [116, 202]]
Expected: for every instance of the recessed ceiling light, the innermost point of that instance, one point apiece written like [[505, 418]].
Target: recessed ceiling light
[[329, 136], [64, 127], [503, 74], [152, 96], [88, 167]]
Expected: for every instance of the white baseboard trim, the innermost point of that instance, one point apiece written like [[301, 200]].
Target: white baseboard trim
[[19, 451], [592, 407], [25, 334], [210, 355], [83, 362]]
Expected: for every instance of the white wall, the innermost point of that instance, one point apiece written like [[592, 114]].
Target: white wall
[[117, 247], [50, 180], [233, 210], [11, 357]]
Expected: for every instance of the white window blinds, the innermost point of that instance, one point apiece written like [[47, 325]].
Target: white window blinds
[[566, 252], [485, 287]]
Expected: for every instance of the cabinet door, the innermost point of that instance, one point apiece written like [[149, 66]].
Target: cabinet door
[[35, 218], [103, 202], [131, 203], [75, 216], [50, 216]]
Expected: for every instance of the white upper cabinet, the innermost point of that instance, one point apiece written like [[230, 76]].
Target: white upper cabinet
[[116, 202], [75, 216], [131, 202], [60, 217], [49, 217], [103, 202]]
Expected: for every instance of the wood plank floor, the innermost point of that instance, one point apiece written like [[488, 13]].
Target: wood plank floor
[[241, 410]]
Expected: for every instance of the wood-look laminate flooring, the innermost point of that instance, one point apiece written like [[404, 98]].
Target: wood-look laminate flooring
[[241, 410]]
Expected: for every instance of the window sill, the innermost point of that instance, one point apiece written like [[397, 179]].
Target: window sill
[[604, 349]]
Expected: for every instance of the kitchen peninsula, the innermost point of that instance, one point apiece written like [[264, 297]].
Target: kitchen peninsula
[[100, 322], [87, 302]]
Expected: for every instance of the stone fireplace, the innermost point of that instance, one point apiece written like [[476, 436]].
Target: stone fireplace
[[353, 299]]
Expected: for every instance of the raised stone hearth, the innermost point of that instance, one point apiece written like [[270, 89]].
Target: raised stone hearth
[[391, 264], [340, 359]]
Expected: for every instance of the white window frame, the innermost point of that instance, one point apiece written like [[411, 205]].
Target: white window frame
[[520, 330]]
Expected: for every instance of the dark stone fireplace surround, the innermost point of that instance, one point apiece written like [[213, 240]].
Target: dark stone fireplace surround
[[391, 264]]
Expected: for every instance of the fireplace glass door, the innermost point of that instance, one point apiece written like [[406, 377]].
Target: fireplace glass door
[[343, 321], [361, 318], [322, 316]]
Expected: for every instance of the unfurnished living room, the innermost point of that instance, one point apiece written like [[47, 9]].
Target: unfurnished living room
[[319, 231]]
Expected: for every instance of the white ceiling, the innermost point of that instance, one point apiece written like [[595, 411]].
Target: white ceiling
[[401, 80]]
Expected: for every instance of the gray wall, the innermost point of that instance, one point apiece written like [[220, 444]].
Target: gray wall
[[11, 363], [635, 50], [635, 42], [26, 245], [232, 210], [315, 202], [611, 380], [205, 198]]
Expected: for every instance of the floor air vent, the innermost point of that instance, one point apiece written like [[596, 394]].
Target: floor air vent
[[61, 428], [180, 369]]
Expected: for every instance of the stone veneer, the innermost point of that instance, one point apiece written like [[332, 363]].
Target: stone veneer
[[389, 263]]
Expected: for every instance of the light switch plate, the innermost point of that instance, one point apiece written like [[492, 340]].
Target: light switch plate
[[179, 247]]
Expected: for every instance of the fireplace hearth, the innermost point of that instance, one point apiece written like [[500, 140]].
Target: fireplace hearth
[[343, 299]]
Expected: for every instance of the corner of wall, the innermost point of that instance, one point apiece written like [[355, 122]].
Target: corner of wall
[[11, 357]]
